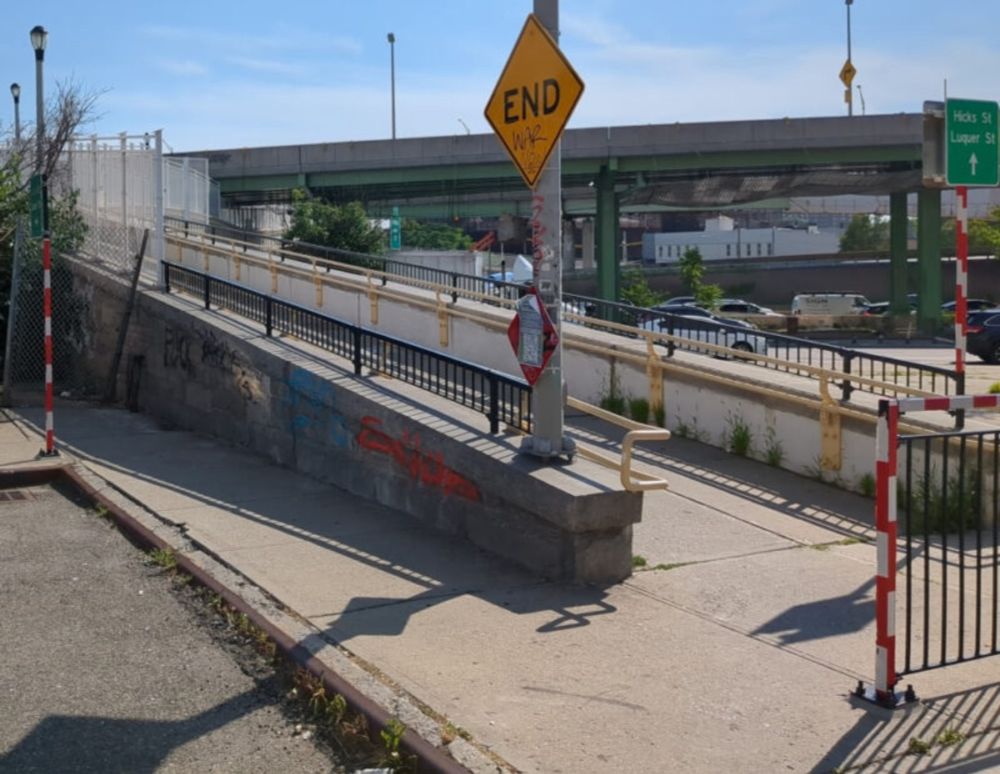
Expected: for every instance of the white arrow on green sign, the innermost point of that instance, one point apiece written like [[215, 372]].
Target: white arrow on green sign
[[971, 157]]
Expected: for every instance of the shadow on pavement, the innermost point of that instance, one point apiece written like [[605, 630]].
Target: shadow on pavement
[[779, 490], [951, 730], [823, 618], [91, 744], [392, 543]]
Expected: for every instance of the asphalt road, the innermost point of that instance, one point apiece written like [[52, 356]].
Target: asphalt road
[[103, 668]]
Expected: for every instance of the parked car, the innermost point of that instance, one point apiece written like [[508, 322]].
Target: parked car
[[983, 334], [676, 300], [971, 304], [829, 303], [691, 322], [879, 308], [737, 306]]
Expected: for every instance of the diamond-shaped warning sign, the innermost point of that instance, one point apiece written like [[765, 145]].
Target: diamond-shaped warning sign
[[534, 98], [847, 73]]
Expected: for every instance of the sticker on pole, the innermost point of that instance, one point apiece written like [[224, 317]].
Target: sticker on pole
[[533, 100], [38, 206], [533, 336]]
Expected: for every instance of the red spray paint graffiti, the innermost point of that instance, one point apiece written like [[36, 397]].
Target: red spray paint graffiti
[[538, 232], [428, 468]]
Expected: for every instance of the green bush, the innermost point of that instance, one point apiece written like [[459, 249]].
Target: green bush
[[638, 409], [939, 506], [739, 436], [614, 403]]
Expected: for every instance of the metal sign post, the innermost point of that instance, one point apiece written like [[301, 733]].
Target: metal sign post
[[548, 439], [533, 99]]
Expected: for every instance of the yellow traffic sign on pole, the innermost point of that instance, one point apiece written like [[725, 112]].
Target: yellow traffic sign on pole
[[533, 99], [847, 73]]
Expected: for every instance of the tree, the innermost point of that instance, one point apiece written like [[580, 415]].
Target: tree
[[434, 236], [692, 274], [984, 233], [70, 108], [865, 232], [636, 291], [345, 227], [692, 269]]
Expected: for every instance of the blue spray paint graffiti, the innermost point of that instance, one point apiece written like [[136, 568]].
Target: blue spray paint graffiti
[[312, 399]]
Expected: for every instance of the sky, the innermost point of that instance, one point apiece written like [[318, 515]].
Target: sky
[[218, 74]]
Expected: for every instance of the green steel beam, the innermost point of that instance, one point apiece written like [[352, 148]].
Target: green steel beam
[[502, 175], [606, 233], [898, 227], [929, 259]]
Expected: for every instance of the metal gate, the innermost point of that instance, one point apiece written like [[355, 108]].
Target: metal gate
[[938, 544]]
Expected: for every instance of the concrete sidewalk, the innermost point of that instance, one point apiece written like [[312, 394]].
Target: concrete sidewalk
[[735, 649]]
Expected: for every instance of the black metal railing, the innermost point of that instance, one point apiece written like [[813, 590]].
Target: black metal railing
[[949, 523], [500, 397], [792, 351], [458, 281]]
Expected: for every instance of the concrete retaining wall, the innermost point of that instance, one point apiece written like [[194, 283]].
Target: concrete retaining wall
[[781, 429], [204, 373]]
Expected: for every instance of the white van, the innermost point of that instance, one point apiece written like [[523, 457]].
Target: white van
[[829, 303]]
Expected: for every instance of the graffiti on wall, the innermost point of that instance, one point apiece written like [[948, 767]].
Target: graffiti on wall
[[312, 400], [179, 348], [216, 353], [421, 466]]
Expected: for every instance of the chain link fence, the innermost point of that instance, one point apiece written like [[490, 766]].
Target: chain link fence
[[122, 186]]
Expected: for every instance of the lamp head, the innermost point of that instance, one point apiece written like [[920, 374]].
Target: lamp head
[[39, 37], [15, 91], [391, 38]]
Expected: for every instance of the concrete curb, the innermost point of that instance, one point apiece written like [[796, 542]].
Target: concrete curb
[[296, 639]]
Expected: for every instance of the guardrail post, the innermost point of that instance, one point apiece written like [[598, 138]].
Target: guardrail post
[[268, 315], [846, 388], [454, 288], [166, 277], [356, 336], [960, 390], [494, 414], [208, 296], [670, 331]]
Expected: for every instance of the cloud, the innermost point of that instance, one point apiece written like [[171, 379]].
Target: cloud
[[182, 67], [266, 65], [282, 38]]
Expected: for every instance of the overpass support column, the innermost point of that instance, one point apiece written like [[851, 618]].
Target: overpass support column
[[607, 232], [898, 229], [588, 244], [929, 258]]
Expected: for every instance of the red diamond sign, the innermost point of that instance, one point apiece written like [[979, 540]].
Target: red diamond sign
[[532, 336]]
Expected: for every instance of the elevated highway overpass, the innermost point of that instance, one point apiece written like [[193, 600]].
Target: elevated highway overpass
[[612, 169]]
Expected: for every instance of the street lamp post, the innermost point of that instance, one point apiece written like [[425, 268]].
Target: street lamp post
[[15, 272], [39, 37], [392, 78], [15, 92], [850, 97]]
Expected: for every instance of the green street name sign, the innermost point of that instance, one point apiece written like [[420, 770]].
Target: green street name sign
[[38, 214], [395, 232], [970, 128]]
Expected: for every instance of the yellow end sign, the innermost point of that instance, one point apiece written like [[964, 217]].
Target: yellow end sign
[[847, 73], [533, 100]]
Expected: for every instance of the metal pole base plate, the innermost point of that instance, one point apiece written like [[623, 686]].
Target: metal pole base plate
[[44, 454], [894, 701], [545, 449]]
